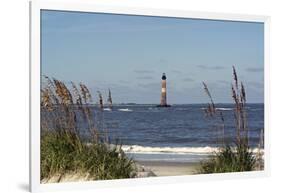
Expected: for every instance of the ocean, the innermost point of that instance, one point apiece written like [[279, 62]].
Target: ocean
[[181, 133]]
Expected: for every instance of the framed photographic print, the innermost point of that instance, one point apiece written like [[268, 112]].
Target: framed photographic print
[[123, 96]]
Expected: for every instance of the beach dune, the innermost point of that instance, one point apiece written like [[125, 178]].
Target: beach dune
[[170, 168]]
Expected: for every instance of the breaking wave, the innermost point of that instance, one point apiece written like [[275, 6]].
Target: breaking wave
[[173, 150], [125, 110], [221, 109], [224, 109]]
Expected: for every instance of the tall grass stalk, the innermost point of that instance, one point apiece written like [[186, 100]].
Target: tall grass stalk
[[237, 157], [212, 112], [64, 149]]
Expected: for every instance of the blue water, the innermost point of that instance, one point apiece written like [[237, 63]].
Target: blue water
[[180, 133], [179, 125]]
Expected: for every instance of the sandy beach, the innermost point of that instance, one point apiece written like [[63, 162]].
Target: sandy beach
[[170, 168]]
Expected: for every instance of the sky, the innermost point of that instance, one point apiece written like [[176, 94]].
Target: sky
[[128, 54]]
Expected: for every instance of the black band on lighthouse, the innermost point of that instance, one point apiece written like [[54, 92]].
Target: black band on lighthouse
[[164, 76]]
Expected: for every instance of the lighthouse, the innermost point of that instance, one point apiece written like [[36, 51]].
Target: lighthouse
[[163, 101]]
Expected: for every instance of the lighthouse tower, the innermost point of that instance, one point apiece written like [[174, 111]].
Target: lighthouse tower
[[163, 102]]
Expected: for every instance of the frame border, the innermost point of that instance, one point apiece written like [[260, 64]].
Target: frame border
[[34, 92]]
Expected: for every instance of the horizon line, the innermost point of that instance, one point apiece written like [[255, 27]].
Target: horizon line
[[133, 103]]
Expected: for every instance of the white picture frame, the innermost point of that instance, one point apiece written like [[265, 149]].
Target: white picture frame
[[86, 6]]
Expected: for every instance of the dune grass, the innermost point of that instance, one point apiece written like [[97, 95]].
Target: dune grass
[[233, 156], [62, 153], [229, 159], [63, 149]]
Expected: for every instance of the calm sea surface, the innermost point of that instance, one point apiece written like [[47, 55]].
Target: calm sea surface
[[177, 126], [178, 133]]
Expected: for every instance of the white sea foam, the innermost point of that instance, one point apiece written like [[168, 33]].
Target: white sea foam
[[107, 109], [224, 109], [126, 110], [221, 109], [173, 150]]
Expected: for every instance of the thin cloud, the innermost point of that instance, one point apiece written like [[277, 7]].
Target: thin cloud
[[145, 77], [210, 67], [188, 80], [254, 69], [143, 71], [224, 82], [256, 84], [124, 81], [177, 71], [162, 60], [150, 86]]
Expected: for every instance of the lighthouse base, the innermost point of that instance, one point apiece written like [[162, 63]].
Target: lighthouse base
[[163, 105]]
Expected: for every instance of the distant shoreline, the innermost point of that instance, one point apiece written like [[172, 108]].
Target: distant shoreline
[[174, 104]]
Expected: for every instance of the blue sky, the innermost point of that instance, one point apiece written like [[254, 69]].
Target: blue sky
[[128, 54]]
